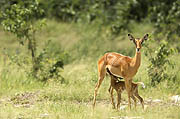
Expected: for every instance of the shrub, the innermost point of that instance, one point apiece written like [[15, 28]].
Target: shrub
[[159, 62], [50, 62]]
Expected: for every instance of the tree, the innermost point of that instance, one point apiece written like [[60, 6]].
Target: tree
[[19, 18], [22, 19]]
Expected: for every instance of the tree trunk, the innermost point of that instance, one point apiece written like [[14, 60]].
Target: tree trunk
[[32, 48]]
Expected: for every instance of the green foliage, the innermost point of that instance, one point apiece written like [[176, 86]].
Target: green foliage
[[159, 10], [120, 16], [19, 20], [49, 63], [115, 13], [63, 10], [166, 15], [69, 10], [159, 62]]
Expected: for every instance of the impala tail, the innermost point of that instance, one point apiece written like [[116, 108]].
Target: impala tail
[[142, 84]]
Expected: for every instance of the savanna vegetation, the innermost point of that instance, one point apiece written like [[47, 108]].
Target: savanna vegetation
[[50, 48]]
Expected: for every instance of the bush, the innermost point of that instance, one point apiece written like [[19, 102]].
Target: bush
[[159, 62], [49, 63]]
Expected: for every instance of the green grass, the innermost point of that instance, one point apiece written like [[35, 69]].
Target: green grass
[[25, 98], [69, 110]]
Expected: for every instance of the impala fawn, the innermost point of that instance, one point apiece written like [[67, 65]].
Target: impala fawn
[[119, 86]]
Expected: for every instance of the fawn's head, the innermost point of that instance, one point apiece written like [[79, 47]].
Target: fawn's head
[[138, 41]]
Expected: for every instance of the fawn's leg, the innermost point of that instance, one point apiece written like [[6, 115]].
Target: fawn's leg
[[140, 98], [112, 98], [135, 103], [118, 99]]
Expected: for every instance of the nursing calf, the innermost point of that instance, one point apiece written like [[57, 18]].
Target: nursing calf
[[119, 86]]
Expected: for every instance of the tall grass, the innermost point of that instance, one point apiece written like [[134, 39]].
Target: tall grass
[[13, 79]]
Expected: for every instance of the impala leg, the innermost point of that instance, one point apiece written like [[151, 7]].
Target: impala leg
[[118, 99], [112, 98], [111, 92], [135, 103], [96, 90], [102, 73], [128, 84], [140, 99]]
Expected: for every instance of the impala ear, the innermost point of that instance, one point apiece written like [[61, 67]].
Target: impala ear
[[130, 37], [145, 37]]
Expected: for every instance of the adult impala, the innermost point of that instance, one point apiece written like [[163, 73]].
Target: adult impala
[[120, 66]]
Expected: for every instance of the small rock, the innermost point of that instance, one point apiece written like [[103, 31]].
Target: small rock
[[123, 107], [17, 105], [175, 98], [27, 105], [149, 100], [145, 107], [126, 117], [44, 115], [157, 101]]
